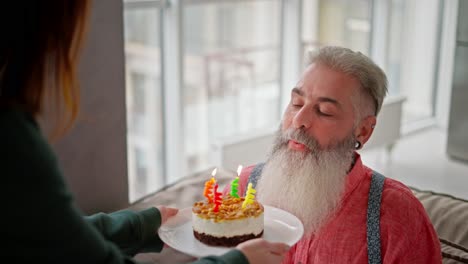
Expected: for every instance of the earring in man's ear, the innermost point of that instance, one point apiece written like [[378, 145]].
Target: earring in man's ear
[[358, 144], [373, 125]]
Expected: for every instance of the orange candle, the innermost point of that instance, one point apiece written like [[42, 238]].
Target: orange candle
[[208, 192]]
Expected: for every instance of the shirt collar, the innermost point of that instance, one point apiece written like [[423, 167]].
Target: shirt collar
[[355, 176]]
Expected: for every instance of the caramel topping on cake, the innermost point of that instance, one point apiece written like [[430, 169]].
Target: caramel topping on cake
[[230, 209]]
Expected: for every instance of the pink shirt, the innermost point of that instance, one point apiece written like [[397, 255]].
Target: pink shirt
[[407, 235]]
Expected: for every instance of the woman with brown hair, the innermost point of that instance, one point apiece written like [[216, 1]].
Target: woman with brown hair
[[39, 52]]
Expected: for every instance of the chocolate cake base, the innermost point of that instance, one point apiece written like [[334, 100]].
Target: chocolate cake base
[[224, 241]]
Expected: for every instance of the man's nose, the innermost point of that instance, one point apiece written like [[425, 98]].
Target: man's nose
[[302, 119]]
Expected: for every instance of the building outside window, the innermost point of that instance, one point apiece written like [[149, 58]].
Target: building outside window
[[336, 22], [231, 69], [145, 139]]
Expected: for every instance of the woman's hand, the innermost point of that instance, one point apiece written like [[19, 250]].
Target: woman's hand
[[260, 251], [166, 212]]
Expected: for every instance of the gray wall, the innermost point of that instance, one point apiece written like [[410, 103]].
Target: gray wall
[[457, 138], [93, 155]]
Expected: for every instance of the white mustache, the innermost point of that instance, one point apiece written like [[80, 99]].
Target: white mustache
[[300, 137]]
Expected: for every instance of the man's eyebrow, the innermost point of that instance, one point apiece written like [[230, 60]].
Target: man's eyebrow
[[321, 99], [297, 91], [329, 100]]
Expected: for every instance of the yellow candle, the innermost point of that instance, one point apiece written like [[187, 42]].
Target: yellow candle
[[249, 196]]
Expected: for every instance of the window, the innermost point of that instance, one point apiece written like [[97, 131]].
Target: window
[[141, 180], [198, 71], [336, 22], [231, 65], [137, 103], [144, 99], [405, 33], [412, 55]]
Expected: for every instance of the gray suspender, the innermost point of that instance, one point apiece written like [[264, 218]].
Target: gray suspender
[[373, 218], [373, 211]]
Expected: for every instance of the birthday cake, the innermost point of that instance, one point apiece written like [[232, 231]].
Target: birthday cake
[[227, 221]]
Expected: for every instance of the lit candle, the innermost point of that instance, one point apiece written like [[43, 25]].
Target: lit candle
[[235, 183], [217, 198], [249, 196], [208, 192]]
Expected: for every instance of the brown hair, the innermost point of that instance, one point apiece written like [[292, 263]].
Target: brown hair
[[39, 51]]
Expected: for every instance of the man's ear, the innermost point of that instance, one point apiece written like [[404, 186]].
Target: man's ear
[[365, 128]]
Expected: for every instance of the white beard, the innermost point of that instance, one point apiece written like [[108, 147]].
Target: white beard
[[308, 185]]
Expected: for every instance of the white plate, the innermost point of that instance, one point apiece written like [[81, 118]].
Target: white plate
[[177, 232]]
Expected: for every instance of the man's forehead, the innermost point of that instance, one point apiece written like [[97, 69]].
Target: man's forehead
[[318, 93]]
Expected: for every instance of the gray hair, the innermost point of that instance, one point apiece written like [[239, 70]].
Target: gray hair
[[372, 78]]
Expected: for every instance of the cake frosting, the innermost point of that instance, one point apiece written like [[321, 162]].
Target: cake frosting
[[230, 224]]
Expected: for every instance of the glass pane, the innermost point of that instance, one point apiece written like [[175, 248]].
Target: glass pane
[[231, 72], [395, 40], [412, 51], [336, 22], [144, 101]]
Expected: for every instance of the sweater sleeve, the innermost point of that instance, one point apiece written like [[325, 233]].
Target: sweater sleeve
[[232, 257], [133, 232]]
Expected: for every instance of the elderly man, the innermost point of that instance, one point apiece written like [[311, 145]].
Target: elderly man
[[351, 214]]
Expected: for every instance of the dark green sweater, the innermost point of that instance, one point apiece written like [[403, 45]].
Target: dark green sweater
[[40, 222]]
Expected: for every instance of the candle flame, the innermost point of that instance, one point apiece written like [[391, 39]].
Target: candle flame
[[239, 169], [214, 172]]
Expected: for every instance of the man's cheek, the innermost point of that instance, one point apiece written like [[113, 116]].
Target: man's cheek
[[287, 120]]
